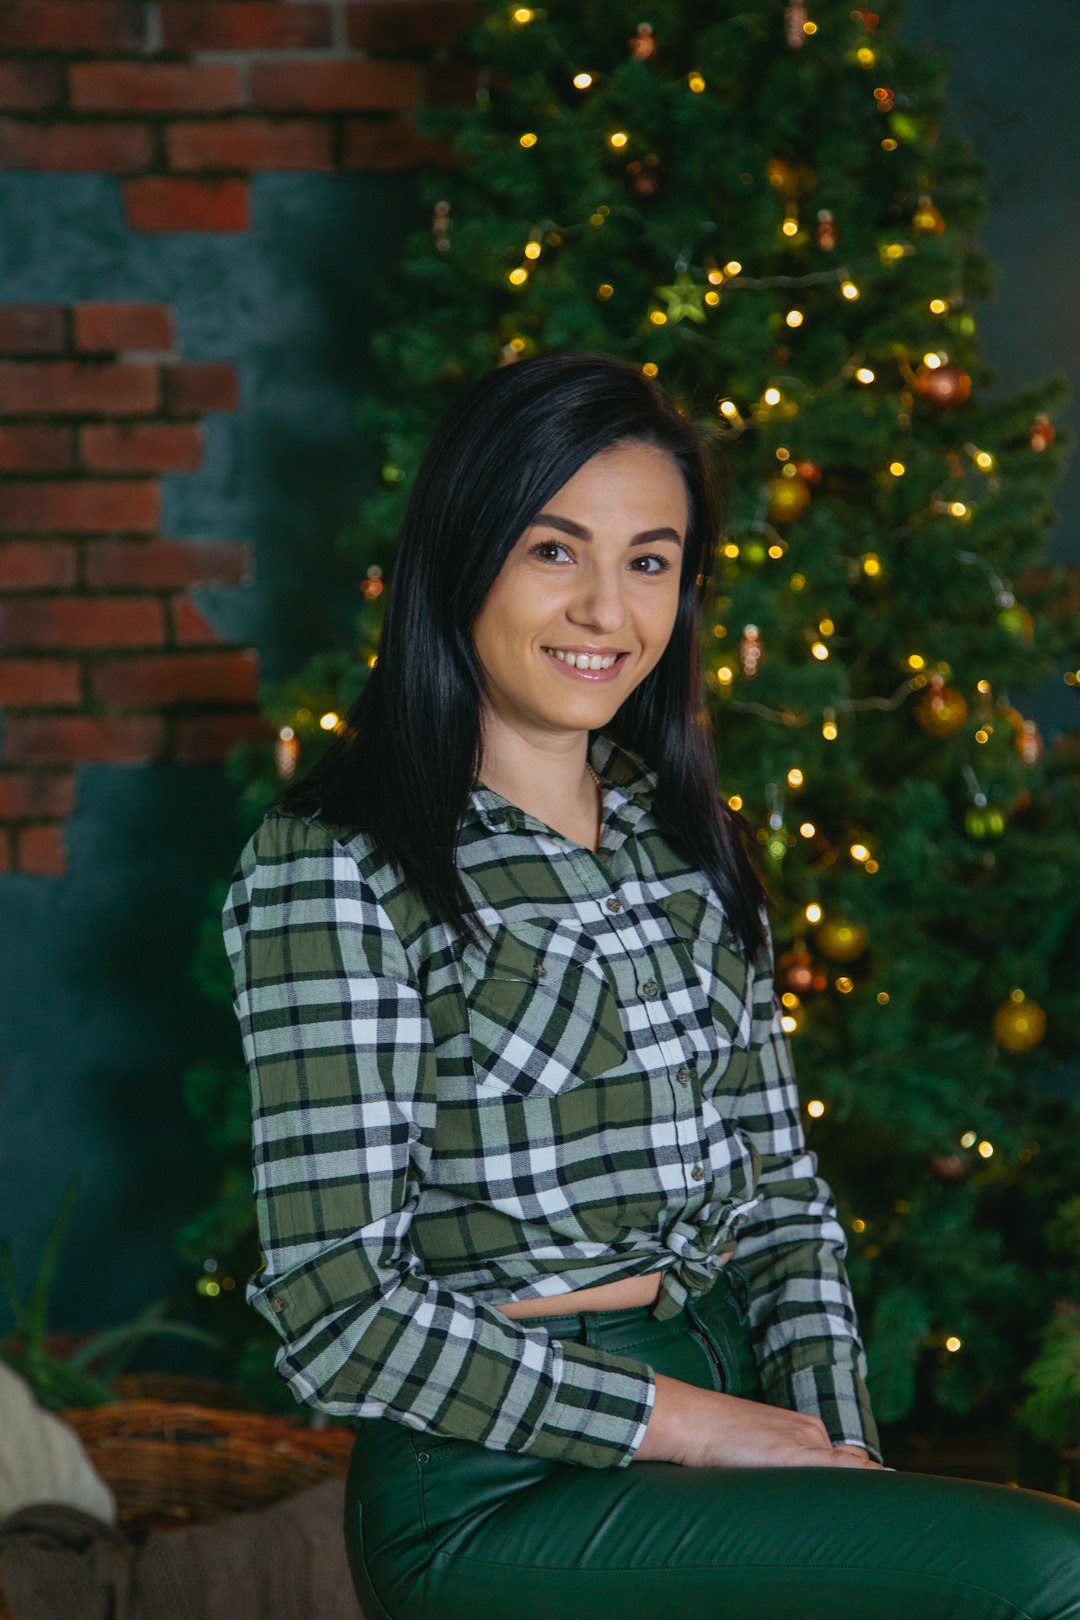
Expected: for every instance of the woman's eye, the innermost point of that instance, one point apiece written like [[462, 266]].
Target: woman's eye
[[557, 545]]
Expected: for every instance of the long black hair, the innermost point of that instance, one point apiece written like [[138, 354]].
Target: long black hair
[[403, 764]]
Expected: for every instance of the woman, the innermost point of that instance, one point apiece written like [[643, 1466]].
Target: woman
[[503, 968]]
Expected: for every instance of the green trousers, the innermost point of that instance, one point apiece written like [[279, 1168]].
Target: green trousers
[[442, 1529]]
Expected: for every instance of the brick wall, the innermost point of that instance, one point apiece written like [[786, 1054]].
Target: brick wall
[[104, 655]]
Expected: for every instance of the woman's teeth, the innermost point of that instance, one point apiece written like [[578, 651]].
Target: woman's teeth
[[584, 660]]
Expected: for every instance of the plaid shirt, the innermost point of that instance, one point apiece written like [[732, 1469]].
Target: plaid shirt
[[603, 1089]]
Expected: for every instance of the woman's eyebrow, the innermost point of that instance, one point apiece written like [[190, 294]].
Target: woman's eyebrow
[[568, 526]]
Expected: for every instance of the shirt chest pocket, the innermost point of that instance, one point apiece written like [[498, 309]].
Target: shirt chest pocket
[[543, 1016], [713, 959]]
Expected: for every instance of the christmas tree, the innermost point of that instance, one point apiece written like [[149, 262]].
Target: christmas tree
[[758, 205]]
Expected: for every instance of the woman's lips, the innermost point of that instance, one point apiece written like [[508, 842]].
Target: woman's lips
[[594, 675]]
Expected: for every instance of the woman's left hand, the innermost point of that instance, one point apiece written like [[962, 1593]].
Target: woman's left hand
[[862, 1454]]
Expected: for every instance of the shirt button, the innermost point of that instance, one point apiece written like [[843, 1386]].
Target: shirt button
[[683, 1075], [613, 904], [541, 971], [649, 987], [698, 1172], [277, 1305]]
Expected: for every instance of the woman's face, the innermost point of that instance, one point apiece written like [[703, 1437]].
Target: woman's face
[[597, 572]]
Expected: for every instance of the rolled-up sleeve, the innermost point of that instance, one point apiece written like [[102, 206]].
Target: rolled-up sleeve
[[792, 1247], [342, 1072]]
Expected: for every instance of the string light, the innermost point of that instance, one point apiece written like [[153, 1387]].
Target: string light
[[865, 375], [858, 1225], [533, 250], [735, 801], [968, 1139], [807, 829], [795, 777], [604, 290], [788, 1023], [329, 721], [829, 729], [953, 1342], [933, 360], [871, 564], [658, 317], [582, 81], [845, 985], [618, 138], [772, 396], [938, 306], [650, 368], [859, 852], [528, 139], [897, 468], [815, 1108], [985, 1150], [819, 650], [725, 674], [732, 268], [518, 277], [849, 290], [523, 15], [696, 82], [813, 912], [794, 317], [883, 998]]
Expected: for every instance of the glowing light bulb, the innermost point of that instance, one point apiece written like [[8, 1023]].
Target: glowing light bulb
[[618, 138], [533, 250], [815, 1108], [724, 674], [518, 277], [984, 460], [897, 468], [968, 1139], [865, 56], [794, 317], [528, 139], [788, 1023], [871, 564], [650, 368], [523, 15], [916, 661], [728, 408], [696, 82], [732, 268], [582, 81], [658, 317], [712, 297], [813, 912], [859, 852], [865, 375], [849, 290], [735, 801], [931, 361], [829, 730], [604, 290], [938, 306], [716, 277], [953, 1342], [958, 509], [328, 721], [820, 651], [985, 1150], [772, 396], [807, 829], [795, 777], [826, 627]]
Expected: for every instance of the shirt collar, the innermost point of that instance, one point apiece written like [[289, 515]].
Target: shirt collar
[[618, 767]]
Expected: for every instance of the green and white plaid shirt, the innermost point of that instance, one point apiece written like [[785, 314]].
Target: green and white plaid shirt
[[602, 1090]]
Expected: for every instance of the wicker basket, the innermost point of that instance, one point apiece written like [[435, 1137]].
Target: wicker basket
[[171, 1464]]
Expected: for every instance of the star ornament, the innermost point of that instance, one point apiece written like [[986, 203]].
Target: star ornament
[[685, 300]]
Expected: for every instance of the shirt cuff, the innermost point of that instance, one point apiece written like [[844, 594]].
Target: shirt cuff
[[598, 1410], [833, 1392]]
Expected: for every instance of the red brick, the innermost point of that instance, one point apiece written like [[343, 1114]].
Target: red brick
[[101, 148], [34, 447], [40, 850], [36, 793], [81, 387], [393, 145], [401, 25], [161, 682], [32, 329], [83, 621], [113, 328], [196, 387], [27, 565], [189, 627], [66, 739], [213, 736], [166, 564], [28, 85], [170, 203], [81, 506], [336, 86], [73, 25], [249, 143], [154, 86], [141, 446], [224, 25], [39, 683]]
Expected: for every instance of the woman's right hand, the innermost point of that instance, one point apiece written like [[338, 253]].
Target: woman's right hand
[[701, 1428]]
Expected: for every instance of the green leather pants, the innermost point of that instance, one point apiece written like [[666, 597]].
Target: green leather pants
[[441, 1529]]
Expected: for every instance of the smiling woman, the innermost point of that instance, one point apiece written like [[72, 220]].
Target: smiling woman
[[533, 1195]]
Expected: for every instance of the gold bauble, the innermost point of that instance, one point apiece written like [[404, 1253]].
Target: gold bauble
[[1019, 1023], [840, 939], [941, 710], [788, 498]]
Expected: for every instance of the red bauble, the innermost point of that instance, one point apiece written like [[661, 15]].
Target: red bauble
[[797, 971], [943, 385], [1042, 433]]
